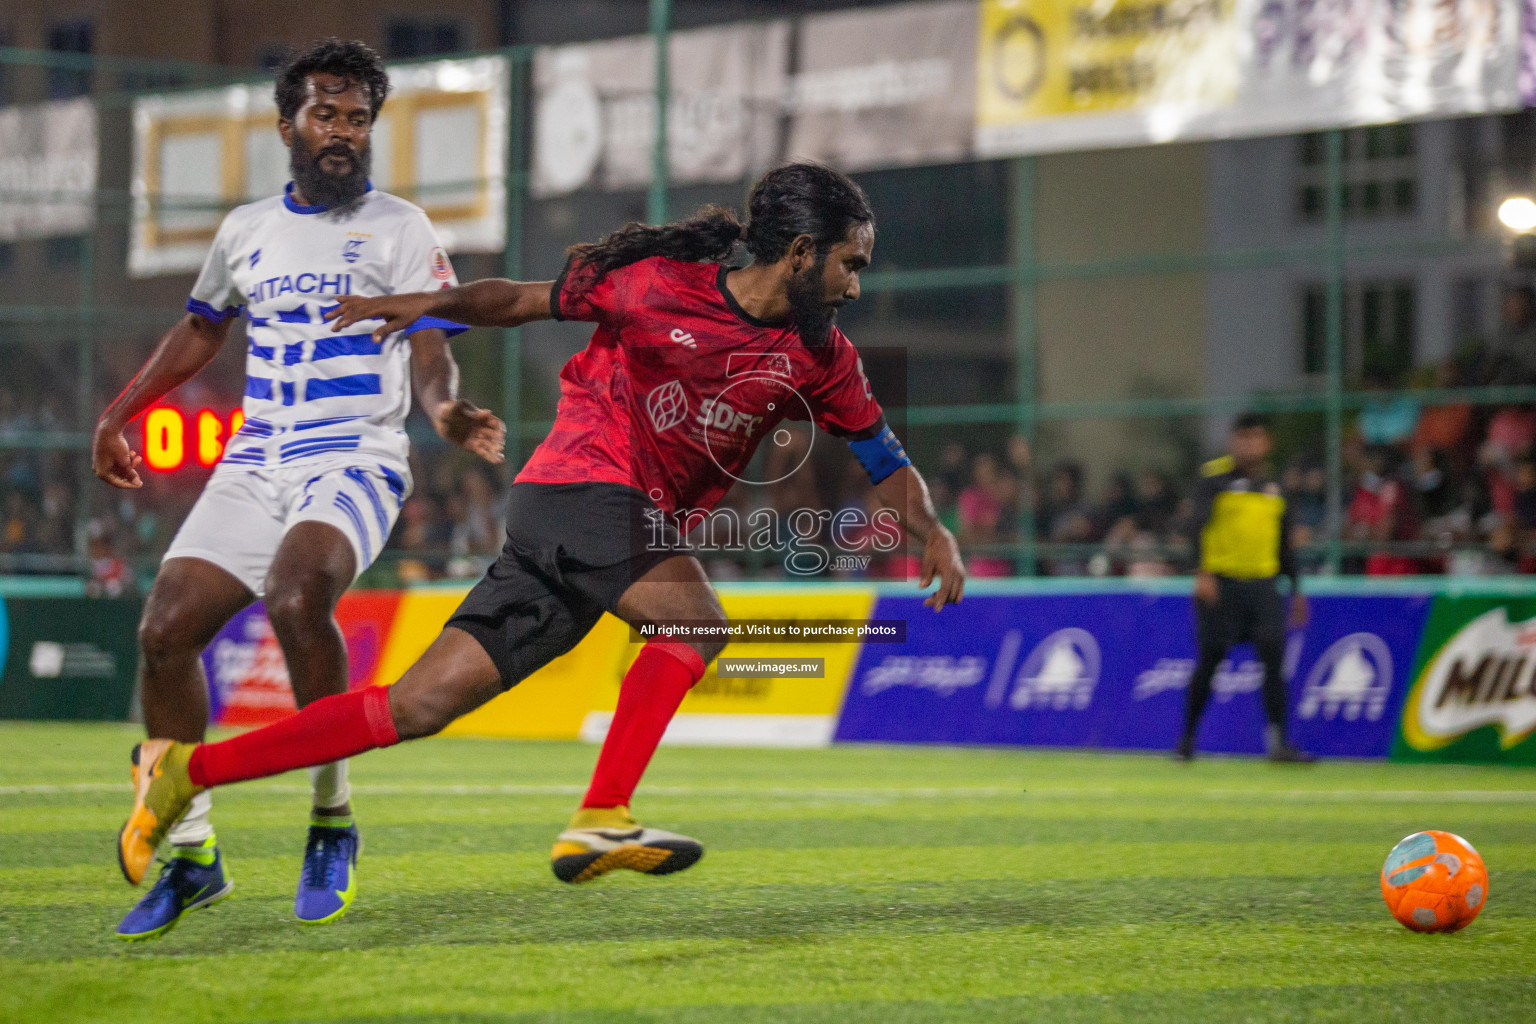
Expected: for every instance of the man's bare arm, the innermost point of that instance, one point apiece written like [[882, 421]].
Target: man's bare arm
[[494, 302], [186, 348], [456, 419], [907, 493]]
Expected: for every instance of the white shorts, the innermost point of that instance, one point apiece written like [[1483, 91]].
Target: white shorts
[[243, 515]]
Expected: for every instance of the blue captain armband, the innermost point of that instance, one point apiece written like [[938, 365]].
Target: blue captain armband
[[880, 455]]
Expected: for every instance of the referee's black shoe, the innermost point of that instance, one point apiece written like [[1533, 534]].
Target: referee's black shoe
[[1287, 754]]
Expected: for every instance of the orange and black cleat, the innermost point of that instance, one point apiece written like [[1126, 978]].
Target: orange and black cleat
[[600, 840], [162, 791]]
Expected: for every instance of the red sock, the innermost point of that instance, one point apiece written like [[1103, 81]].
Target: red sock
[[648, 698], [327, 730]]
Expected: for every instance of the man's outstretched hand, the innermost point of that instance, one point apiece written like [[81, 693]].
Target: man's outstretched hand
[[472, 428], [113, 460], [397, 311], [941, 558]]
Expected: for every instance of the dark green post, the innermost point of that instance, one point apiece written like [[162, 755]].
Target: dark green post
[[1333, 313], [512, 255], [1024, 324], [656, 199]]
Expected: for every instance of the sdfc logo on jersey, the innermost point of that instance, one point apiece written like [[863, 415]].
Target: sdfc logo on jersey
[[441, 268], [718, 414], [667, 405]]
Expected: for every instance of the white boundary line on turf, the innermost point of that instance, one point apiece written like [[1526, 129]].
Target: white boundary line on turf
[[867, 793]]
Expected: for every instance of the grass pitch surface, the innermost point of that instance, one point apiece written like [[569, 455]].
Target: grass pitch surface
[[846, 885]]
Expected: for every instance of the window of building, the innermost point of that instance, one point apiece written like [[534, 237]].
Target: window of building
[[1380, 320], [7, 38], [69, 37], [405, 38], [65, 250], [272, 56], [7, 256], [1380, 180]]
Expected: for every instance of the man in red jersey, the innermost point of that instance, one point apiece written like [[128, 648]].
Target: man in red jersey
[[692, 364]]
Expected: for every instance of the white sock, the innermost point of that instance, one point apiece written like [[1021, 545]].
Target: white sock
[[331, 786], [194, 826]]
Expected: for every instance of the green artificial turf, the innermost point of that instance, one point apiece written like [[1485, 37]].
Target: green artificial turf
[[846, 885]]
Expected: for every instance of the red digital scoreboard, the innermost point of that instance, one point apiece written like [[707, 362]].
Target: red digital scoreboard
[[175, 440]]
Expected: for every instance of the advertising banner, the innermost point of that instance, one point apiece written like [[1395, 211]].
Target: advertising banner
[[1528, 55], [595, 117], [1473, 694], [248, 679], [1306, 64], [440, 141], [47, 169], [68, 658], [550, 704], [575, 695], [1110, 670], [757, 711], [894, 86], [1068, 74], [1060, 74]]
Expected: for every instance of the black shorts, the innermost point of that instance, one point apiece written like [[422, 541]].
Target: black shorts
[[571, 552], [1247, 611]]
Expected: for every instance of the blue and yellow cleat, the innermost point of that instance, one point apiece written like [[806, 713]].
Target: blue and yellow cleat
[[328, 883], [192, 879]]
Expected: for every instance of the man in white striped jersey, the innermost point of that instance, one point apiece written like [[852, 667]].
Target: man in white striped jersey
[[311, 485]]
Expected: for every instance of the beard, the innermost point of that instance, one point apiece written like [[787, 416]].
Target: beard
[[809, 309], [320, 188]]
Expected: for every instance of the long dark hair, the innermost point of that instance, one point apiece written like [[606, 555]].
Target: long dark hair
[[789, 201]]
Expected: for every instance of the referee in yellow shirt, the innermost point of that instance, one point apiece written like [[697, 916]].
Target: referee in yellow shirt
[[1243, 524]]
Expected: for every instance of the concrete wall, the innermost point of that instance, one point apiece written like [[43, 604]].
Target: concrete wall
[[1121, 337]]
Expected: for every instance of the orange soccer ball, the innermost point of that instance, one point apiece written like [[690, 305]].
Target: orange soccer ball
[[1434, 882]]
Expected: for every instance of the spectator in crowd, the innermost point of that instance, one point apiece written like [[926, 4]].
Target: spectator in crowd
[[953, 469], [19, 534], [1116, 515], [1306, 486], [475, 540], [1389, 420], [1434, 495], [1445, 428], [111, 575], [981, 516], [1066, 517], [1021, 465], [1380, 512], [1510, 356], [1156, 503]]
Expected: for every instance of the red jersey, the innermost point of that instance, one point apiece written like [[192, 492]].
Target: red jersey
[[679, 384]]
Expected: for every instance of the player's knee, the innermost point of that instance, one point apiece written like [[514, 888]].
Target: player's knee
[[418, 711], [296, 609], [164, 634], [709, 649]]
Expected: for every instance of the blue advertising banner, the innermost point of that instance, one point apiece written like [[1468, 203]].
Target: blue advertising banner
[[1110, 670]]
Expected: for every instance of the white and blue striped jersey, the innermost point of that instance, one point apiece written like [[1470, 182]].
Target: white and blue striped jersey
[[313, 395]]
